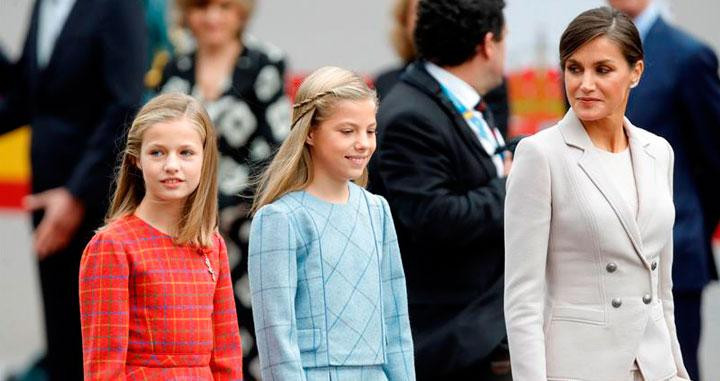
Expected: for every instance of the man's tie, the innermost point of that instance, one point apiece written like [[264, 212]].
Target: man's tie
[[483, 109]]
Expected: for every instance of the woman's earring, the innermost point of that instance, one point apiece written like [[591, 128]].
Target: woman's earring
[[634, 84]]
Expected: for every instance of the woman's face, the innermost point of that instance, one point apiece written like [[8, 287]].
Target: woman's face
[[217, 23], [598, 80]]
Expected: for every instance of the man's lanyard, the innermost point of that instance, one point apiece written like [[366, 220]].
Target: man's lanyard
[[477, 124]]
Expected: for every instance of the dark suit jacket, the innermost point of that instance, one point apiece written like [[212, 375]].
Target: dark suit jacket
[[79, 105], [678, 98], [497, 98], [447, 203], [5, 73]]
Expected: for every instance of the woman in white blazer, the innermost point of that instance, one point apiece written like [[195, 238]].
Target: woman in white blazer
[[588, 226]]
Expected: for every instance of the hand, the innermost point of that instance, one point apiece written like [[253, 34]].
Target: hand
[[507, 163], [63, 215]]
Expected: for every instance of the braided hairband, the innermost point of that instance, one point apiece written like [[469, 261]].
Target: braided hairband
[[306, 102]]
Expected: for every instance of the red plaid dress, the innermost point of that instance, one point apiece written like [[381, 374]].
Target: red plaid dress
[[153, 310]]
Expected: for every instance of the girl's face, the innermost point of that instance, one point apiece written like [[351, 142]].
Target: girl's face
[[171, 158], [341, 145], [598, 80], [216, 23]]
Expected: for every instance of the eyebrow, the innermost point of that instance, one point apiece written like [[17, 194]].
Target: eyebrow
[[354, 125], [159, 145], [601, 62]]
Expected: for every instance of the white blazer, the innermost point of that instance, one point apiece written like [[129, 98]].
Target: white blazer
[[587, 287]]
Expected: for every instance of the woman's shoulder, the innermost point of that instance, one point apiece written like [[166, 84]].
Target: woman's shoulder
[[647, 136], [178, 74], [655, 144], [263, 51], [182, 64], [546, 135], [540, 144]]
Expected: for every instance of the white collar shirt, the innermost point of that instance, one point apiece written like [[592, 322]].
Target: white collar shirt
[[51, 18], [646, 19]]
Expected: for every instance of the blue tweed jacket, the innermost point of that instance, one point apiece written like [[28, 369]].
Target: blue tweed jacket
[[328, 288]]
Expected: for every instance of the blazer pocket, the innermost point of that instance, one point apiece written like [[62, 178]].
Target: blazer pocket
[[578, 314], [308, 339]]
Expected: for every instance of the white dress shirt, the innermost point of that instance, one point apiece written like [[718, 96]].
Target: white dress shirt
[[51, 19]]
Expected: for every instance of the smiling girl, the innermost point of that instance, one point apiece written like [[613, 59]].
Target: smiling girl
[[156, 300], [327, 284]]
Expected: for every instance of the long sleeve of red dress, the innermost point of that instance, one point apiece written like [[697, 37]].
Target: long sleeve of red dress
[[104, 308]]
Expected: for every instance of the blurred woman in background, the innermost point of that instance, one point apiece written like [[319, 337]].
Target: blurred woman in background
[[240, 82], [404, 17]]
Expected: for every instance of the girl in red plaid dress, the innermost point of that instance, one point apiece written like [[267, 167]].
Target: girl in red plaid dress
[[156, 299]]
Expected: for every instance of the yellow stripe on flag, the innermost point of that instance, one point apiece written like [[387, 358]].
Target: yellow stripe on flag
[[15, 156]]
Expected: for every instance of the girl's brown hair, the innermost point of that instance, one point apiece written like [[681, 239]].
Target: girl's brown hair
[[199, 218]]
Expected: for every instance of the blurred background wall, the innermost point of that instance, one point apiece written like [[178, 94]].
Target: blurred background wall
[[355, 34]]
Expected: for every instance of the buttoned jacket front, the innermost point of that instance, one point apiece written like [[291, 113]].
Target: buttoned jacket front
[[588, 285]]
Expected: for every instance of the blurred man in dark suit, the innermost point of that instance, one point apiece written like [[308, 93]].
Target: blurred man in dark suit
[[77, 83], [438, 165], [404, 18], [678, 98]]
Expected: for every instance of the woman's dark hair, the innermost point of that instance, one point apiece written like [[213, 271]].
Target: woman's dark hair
[[602, 22], [447, 32]]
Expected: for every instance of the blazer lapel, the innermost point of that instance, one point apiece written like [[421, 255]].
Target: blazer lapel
[[575, 135], [644, 171]]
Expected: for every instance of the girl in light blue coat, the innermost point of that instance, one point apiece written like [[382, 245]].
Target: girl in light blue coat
[[327, 284]]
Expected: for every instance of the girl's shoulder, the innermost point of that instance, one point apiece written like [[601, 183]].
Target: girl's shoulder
[[218, 241], [373, 200], [119, 228], [117, 233], [128, 230], [297, 204], [286, 205]]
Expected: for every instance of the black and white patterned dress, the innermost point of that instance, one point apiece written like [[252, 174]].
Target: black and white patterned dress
[[251, 117]]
